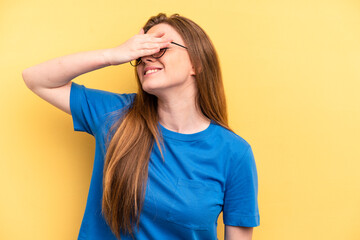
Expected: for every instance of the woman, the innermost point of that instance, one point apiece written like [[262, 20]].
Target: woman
[[166, 163]]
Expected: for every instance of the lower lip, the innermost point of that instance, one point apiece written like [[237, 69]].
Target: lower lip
[[152, 73]]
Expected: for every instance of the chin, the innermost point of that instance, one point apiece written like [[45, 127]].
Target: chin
[[150, 88]]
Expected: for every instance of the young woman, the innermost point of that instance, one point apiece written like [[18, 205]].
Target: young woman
[[166, 162]]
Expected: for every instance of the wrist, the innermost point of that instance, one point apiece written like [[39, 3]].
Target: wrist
[[107, 57]]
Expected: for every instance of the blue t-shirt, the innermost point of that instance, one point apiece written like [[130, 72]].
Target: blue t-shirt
[[203, 174]]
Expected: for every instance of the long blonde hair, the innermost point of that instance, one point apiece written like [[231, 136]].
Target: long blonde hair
[[134, 134]]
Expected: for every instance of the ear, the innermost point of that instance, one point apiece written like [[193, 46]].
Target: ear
[[193, 72]]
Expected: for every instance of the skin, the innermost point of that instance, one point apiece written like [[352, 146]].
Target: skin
[[174, 85], [238, 233]]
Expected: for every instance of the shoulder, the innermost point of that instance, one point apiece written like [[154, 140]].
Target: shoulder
[[101, 99], [237, 152], [240, 161], [92, 109], [97, 93], [236, 143]]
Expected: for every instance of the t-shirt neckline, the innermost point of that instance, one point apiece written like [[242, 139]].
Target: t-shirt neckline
[[187, 137]]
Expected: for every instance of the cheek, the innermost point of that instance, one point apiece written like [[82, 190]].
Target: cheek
[[178, 63], [180, 69], [138, 71], [139, 74]]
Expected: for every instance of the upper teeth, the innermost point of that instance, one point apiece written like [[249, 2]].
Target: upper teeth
[[151, 70]]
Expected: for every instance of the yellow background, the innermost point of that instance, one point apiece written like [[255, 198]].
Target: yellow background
[[291, 74]]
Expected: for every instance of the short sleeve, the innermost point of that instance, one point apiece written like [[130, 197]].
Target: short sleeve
[[241, 191], [89, 107]]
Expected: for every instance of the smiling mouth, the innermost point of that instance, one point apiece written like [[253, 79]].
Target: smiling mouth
[[152, 71]]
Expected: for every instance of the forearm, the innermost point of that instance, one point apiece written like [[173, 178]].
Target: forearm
[[238, 233], [59, 71]]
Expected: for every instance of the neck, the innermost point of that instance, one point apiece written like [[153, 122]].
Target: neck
[[179, 113]]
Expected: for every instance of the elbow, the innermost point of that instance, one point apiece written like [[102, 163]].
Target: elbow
[[26, 78]]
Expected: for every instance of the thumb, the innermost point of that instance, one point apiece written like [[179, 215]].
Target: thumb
[[141, 31]]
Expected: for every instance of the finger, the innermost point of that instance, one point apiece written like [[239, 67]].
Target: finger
[[154, 38], [160, 40], [147, 52], [164, 45], [157, 34], [154, 46], [141, 31]]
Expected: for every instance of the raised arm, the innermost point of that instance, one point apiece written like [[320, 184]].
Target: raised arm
[[51, 80]]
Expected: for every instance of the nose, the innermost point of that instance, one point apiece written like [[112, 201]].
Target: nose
[[148, 59]]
